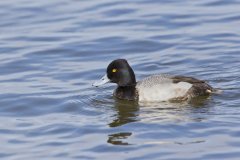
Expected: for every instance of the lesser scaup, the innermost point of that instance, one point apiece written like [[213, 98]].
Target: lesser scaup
[[154, 88]]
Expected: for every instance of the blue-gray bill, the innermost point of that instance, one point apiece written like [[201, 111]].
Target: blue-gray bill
[[102, 81]]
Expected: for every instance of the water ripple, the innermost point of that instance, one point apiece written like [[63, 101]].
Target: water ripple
[[51, 53]]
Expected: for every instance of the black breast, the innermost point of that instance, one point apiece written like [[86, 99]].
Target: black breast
[[126, 92]]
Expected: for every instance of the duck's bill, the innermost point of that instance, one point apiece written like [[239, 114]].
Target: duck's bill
[[102, 81]]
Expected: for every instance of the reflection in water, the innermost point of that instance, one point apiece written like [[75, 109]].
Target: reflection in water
[[199, 101], [116, 139], [127, 112]]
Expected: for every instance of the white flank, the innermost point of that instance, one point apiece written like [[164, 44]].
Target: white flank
[[160, 88]]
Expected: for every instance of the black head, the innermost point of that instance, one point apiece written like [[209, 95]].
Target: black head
[[120, 72]]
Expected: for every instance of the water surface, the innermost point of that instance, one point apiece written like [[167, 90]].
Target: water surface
[[52, 51]]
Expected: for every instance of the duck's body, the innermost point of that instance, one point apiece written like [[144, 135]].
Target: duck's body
[[154, 88]]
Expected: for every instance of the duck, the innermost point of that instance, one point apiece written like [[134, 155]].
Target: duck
[[159, 87]]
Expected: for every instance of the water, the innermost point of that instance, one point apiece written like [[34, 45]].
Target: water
[[51, 52]]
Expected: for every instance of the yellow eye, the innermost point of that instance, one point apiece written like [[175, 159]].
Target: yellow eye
[[114, 70]]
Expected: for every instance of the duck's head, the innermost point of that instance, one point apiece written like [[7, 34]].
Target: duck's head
[[119, 72]]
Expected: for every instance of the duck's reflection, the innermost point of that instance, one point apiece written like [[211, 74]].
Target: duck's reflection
[[127, 111], [118, 138]]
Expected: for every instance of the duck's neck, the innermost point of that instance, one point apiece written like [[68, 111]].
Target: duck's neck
[[126, 92], [127, 78]]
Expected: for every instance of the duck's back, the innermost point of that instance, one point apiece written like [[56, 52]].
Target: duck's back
[[165, 87]]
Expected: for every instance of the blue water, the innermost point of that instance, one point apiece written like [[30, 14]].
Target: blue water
[[52, 51]]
